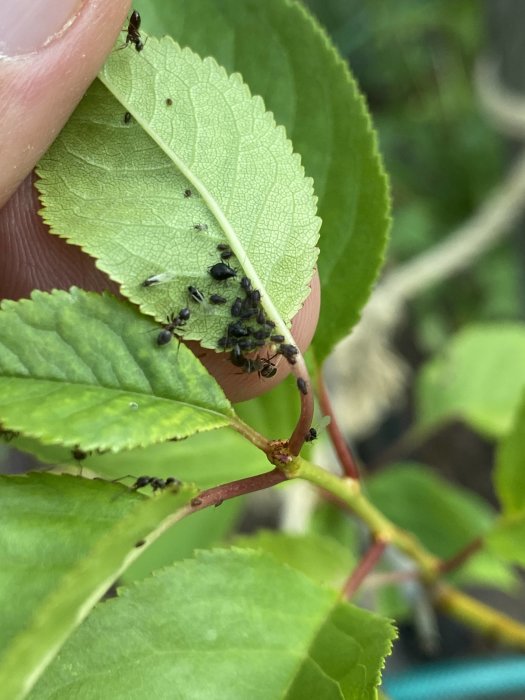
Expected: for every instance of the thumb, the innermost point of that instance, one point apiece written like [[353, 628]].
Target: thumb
[[49, 54]]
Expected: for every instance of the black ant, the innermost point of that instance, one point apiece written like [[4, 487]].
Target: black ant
[[174, 323], [221, 271], [155, 483], [133, 34]]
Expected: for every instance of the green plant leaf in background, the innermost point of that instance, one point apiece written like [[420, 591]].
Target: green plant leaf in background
[[157, 195], [509, 474], [83, 369], [507, 538], [443, 516], [286, 57], [479, 377], [64, 542], [276, 634]]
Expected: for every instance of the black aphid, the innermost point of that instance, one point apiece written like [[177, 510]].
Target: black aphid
[[221, 271], [236, 307], [302, 386]]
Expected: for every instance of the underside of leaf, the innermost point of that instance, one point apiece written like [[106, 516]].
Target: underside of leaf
[[201, 164]]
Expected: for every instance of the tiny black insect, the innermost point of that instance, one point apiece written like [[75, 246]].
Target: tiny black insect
[[222, 271], [302, 386], [187, 193], [200, 227], [289, 352], [261, 318], [237, 330], [217, 299], [277, 338], [169, 101], [236, 307], [222, 247], [246, 284], [311, 435], [133, 34], [236, 356], [224, 342], [195, 294], [127, 117], [79, 454], [155, 483], [174, 323], [261, 334], [255, 297]]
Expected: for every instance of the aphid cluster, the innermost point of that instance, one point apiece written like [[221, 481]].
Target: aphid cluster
[[249, 330]]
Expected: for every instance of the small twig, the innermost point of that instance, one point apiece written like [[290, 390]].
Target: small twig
[[364, 567], [481, 617], [251, 434], [306, 416], [461, 557], [216, 495], [343, 452]]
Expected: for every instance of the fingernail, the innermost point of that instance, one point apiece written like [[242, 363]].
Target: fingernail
[[28, 25]]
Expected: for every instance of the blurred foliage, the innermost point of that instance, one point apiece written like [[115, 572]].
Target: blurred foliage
[[414, 61]]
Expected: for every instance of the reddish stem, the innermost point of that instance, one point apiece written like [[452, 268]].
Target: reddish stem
[[461, 557], [343, 452], [304, 423], [364, 567], [216, 495]]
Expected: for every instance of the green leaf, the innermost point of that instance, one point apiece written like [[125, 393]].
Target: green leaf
[[124, 202], [479, 378], [65, 540], [443, 516], [83, 369], [507, 538], [288, 59], [321, 558], [228, 624], [509, 475]]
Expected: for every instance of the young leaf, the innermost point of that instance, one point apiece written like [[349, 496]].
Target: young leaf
[[157, 195], [509, 475], [228, 624], [479, 378], [82, 369], [64, 542], [285, 56]]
